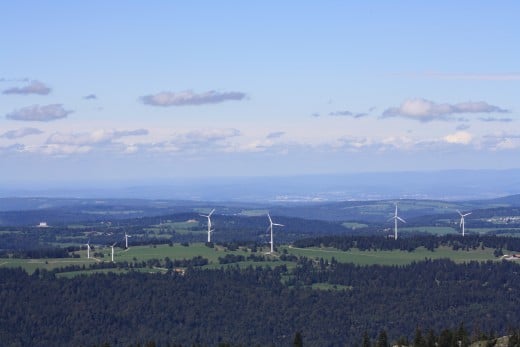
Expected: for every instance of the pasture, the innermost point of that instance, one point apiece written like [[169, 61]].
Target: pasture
[[179, 252], [393, 257]]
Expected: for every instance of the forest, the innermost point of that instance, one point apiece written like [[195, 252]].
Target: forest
[[259, 305]]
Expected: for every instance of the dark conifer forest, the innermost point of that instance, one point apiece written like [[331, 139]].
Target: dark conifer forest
[[258, 306]]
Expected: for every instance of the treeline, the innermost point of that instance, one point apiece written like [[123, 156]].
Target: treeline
[[41, 253], [456, 337], [258, 306], [410, 243]]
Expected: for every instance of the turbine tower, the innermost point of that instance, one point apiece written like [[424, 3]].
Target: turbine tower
[[113, 251], [396, 218], [462, 220], [126, 240], [271, 228], [208, 216], [88, 249]]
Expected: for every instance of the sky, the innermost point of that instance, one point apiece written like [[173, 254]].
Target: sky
[[134, 90]]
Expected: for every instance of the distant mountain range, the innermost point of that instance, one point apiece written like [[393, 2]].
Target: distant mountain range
[[31, 211], [453, 185]]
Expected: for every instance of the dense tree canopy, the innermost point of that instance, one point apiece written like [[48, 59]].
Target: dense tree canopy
[[258, 305]]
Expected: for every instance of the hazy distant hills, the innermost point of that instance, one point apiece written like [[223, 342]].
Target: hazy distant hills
[[453, 185], [381, 210], [30, 211], [367, 197], [506, 201]]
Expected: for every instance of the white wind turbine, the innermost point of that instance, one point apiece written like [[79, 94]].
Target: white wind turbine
[[208, 216], [113, 251], [462, 220], [126, 240], [271, 224], [396, 218], [88, 249]]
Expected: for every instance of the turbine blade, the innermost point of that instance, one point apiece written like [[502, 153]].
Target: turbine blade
[[211, 212], [467, 214], [280, 225], [269, 216], [402, 220]]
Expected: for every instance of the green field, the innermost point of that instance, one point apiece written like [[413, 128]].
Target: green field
[[353, 225], [179, 252], [174, 252], [430, 230], [393, 257], [187, 227]]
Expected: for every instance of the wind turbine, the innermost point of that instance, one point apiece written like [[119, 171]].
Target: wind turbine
[[396, 218], [126, 240], [208, 216], [462, 220], [113, 251], [88, 249], [271, 224]]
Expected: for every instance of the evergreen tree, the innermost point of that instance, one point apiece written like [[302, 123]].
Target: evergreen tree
[[382, 339], [445, 338], [418, 340], [366, 340], [514, 339], [402, 341], [461, 337], [298, 340], [431, 340]]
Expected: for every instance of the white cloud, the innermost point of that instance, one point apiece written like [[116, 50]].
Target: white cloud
[[348, 114], [190, 98], [37, 113], [496, 119], [341, 113], [424, 110], [22, 132], [460, 137], [195, 142], [481, 77], [35, 87], [502, 141], [463, 127], [275, 135], [205, 140], [97, 137]]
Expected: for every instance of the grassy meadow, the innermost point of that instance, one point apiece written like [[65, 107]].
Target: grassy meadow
[[174, 252]]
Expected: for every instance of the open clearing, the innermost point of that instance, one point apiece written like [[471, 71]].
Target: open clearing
[[144, 253], [393, 257]]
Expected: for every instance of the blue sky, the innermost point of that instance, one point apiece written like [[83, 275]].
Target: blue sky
[[131, 90]]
